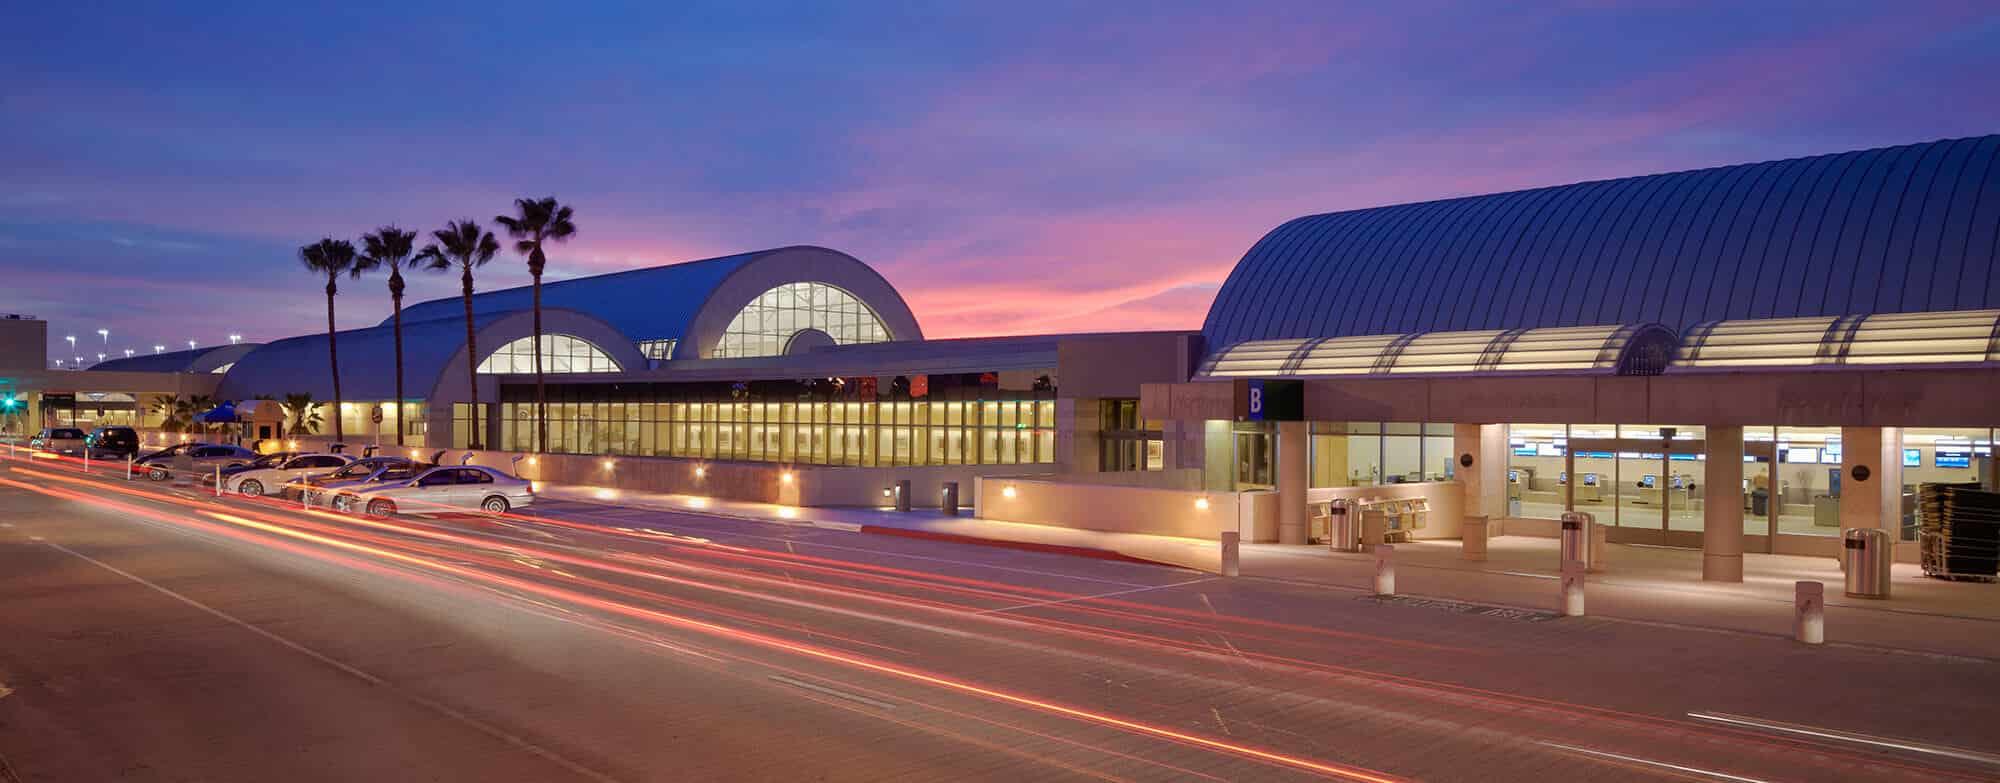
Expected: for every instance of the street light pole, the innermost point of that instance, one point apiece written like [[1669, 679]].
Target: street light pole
[[106, 334]]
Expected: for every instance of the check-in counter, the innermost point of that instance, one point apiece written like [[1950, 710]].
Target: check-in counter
[[1589, 493]]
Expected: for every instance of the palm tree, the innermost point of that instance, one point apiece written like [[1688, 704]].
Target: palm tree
[[304, 412], [330, 257], [464, 244], [170, 407], [539, 221], [390, 247], [194, 406]]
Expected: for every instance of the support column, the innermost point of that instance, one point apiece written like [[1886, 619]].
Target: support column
[[1293, 468], [1861, 499], [1722, 506]]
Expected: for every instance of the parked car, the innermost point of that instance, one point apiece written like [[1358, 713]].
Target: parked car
[[159, 465], [282, 478], [67, 441], [112, 443], [320, 488], [443, 488]]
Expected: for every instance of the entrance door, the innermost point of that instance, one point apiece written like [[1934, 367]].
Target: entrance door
[[1254, 460], [1645, 490]]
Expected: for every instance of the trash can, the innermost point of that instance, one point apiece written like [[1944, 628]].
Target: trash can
[[903, 495], [1760, 503], [1866, 553], [1341, 534], [948, 500], [1577, 537]]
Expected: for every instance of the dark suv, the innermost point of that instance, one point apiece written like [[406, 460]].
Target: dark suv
[[113, 442]]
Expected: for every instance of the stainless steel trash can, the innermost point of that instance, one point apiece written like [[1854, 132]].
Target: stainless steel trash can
[[1342, 532], [1866, 553], [903, 495], [948, 499], [1576, 538]]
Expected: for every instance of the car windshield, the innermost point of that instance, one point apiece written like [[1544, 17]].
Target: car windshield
[[355, 470], [66, 434], [397, 473], [269, 460]]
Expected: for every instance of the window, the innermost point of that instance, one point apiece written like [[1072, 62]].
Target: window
[[223, 369], [1126, 441], [561, 353], [657, 350], [961, 419], [469, 476], [437, 478], [767, 325]]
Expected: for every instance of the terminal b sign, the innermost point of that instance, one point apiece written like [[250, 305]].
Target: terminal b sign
[[1262, 400]]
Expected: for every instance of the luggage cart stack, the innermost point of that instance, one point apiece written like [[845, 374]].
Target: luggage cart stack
[[1959, 536]]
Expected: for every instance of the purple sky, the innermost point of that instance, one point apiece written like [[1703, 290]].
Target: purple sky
[[1011, 167]]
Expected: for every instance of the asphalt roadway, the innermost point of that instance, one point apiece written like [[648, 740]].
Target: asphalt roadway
[[152, 633]]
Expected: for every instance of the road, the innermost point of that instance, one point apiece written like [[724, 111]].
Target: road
[[162, 634]]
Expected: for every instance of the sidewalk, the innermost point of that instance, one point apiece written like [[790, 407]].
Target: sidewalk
[[1642, 584]]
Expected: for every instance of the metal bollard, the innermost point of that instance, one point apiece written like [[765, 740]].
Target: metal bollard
[[128, 466], [1232, 553], [1385, 569], [218, 481], [1809, 612], [86, 459], [1572, 587]]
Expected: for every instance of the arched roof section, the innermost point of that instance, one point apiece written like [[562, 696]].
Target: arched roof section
[[1914, 228], [197, 360], [433, 357], [692, 302]]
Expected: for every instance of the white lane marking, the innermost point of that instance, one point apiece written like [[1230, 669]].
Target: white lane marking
[[435, 706], [1651, 763], [1072, 599], [1531, 576], [1848, 736], [834, 692]]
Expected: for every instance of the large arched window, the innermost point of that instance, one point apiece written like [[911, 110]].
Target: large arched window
[[767, 325], [560, 353]]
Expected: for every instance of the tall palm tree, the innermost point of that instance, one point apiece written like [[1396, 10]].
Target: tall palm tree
[[462, 243], [390, 247], [330, 257], [539, 221], [304, 412]]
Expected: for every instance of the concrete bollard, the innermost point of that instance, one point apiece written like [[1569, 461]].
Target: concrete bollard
[[86, 459], [1809, 612], [1572, 587], [1385, 569], [218, 481], [128, 466], [1232, 553]]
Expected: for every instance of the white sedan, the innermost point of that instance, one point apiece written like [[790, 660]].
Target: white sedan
[[441, 489], [279, 478]]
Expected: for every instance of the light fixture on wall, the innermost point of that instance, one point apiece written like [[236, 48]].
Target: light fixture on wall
[[531, 460], [700, 471], [607, 464], [1007, 491], [1201, 504], [786, 477]]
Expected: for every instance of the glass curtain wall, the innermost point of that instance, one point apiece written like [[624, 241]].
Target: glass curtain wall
[[561, 353], [1367, 453], [1536, 477], [766, 326], [816, 422]]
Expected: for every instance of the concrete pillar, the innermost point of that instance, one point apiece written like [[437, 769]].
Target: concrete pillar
[[1293, 469], [1722, 506], [1861, 499]]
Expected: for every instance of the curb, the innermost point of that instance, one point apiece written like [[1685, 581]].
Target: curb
[[1029, 546]]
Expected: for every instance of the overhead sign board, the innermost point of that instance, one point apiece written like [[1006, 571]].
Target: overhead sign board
[[1267, 400]]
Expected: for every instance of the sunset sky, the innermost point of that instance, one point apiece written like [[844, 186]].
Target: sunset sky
[[1011, 167]]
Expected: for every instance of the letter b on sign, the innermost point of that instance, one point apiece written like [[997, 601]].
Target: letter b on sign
[[1255, 410]]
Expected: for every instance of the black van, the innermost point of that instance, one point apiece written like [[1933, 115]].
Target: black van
[[113, 442]]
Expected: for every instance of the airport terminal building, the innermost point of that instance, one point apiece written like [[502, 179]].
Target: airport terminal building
[[1739, 359]]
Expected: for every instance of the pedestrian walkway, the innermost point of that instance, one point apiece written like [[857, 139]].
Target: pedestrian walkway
[[1638, 583]]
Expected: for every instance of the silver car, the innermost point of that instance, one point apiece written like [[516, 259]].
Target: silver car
[[329, 489], [443, 489], [282, 478], [159, 465], [67, 441]]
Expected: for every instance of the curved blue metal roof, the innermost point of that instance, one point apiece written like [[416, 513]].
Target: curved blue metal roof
[[654, 303], [195, 360], [367, 362], [1896, 229]]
